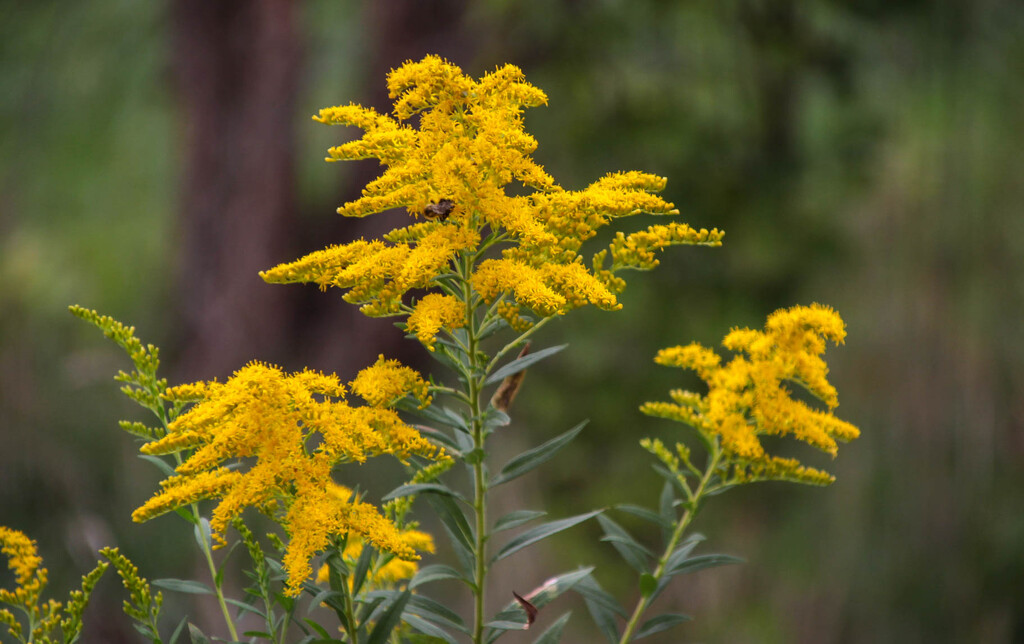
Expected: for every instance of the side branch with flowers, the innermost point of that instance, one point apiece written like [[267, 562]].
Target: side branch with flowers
[[492, 253]]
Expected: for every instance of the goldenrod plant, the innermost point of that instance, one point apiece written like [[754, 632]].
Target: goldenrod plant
[[493, 250]]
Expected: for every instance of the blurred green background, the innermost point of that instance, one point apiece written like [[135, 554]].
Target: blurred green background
[[863, 154]]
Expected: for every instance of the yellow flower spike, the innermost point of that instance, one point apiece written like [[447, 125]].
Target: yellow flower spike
[[24, 561], [466, 145], [387, 381], [432, 314], [748, 398], [284, 434]]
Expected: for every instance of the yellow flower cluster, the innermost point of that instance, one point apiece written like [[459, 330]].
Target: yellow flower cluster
[[434, 312], [270, 440], [452, 167], [30, 578], [395, 569], [748, 398]]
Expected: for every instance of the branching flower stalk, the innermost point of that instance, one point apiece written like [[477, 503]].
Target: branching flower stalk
[[690, 509], [747, 398], [514, 257]]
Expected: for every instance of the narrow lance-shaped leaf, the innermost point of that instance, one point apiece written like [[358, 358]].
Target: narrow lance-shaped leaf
[[519, 364], [419, 488], [631, 551], [513, 616], [432, 633], [661, 623], [643, 513], [541, 532], [183, 586], [533, 457], [362, 567], [516, 518], [197, 635], [457, 527], [435, 612], [389, 620], [553, 634], [435, 572], [700, 562], [667, 509], [602, 607]]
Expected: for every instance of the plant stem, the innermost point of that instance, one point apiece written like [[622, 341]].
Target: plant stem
[[207, 549], [206, 546], [691, 511], [475, 378], [208, 553]]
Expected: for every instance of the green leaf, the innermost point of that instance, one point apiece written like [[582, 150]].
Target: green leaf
[[444, 416], [197, 635], [457, 526], [389, 620], [667, 508], [435, 572], [419, 488], [366, 556], [590, 589], [602, 608], [554, 632], [515, 519], [505, 625], [533, 457], [464, 442], [493, 326], [183, 586], [433, 632], [201, 533], [513, 617], [436, 612], [438, 437], [700, 562], [494, 418], [177, 631], [628, 548], [146, 631], [162, 465], [644, 513], [541, 532], [683, 550], [648, 584], [320, 630], [244, 607], [669, 477], [661, 623], [333, 598], [519, 364]]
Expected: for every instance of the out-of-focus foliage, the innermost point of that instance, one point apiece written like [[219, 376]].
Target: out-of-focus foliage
[[860, 153]]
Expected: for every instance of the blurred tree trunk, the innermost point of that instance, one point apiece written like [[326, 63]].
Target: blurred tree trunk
[[236, 65]]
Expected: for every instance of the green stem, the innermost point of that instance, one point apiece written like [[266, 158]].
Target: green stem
[[165, 419], [684, 522], [352, 625], [474, 379], [207, 549], [208, 553]]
